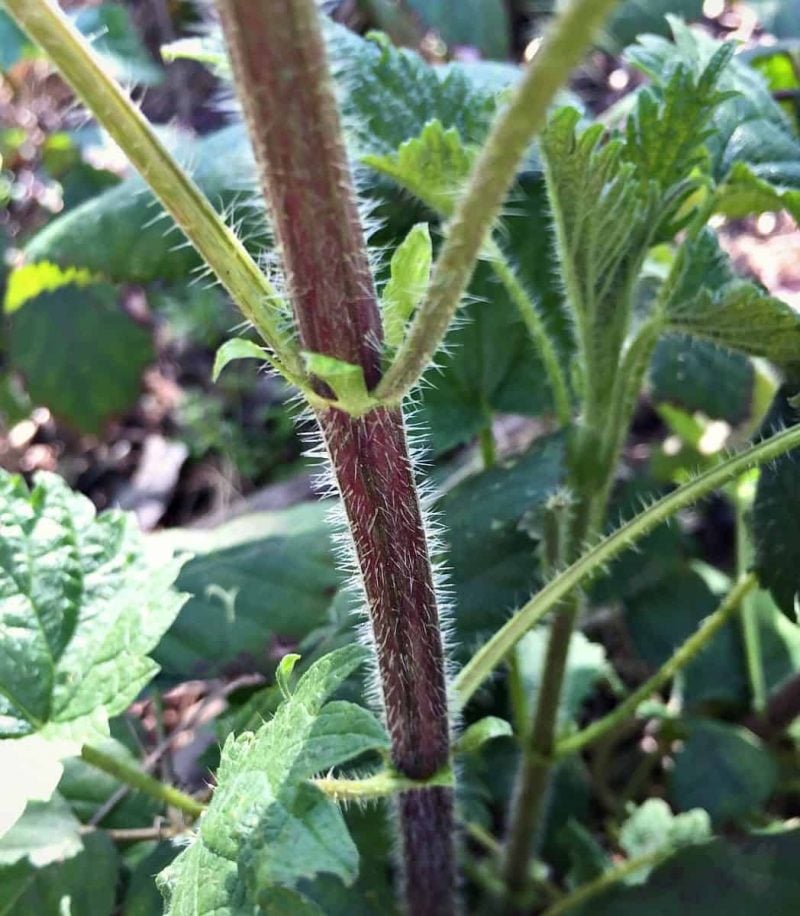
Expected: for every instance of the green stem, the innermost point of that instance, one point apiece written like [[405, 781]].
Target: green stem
[[751, 635], [140, 781], [492, 653], [565, 43], [533, 322], [379, 785], [488, 446], [214, 240], [680, 659], [608, 879]]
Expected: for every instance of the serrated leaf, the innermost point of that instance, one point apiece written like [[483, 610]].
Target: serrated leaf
[[724, 769], [486, 729], [231, 350], [266, 824], [410, 271], [81, 355], [738, 877], [81, 605], [752, 143], [652, 827], [433, 166], [707, 301]]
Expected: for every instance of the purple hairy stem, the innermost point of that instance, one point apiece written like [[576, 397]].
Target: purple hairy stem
[[282, 78]]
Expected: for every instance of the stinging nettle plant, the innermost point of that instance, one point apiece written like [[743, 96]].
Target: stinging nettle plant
[[615, 197]]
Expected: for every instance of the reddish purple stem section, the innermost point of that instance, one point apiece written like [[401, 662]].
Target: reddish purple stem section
[[281, 72]]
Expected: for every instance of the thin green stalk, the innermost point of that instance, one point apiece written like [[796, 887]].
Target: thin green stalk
[[608, 879], [140, 781], [214, 240], [492, 653], [565, 43], [751, 635], [380, 785], [533, 322], [488, 446], [679, 660]]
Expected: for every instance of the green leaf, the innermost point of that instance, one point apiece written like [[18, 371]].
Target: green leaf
[[698, 375], [124, 235], [409, 275], [737, 877], [586, 666], [238, 348], [82, 883], [708, 302], [266, 824], [724, 769], [491, 557], [47, 832], [344, 379], [775, 514], [652, 827], [752, 145], [482, 24], [81, 605], [263, 575], [32, 280], [480, 732], [433, 166], [603, 226], [283, 673], [80, 354]]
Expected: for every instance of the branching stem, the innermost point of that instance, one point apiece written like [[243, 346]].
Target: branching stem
[[682, 656], [562, 48], [492, 653]]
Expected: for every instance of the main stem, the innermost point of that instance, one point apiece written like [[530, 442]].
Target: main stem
[[279, 62]]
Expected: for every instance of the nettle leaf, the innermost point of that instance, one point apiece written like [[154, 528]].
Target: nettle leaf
[[46, 866], [755, 155], [267, 825], [723, 769], [736, 876], [698, 375], [652, 827], [433, 166], [81, 605], [604, 220], [775, 514], [345, 380], [410, 272], [81, 355], [262, 575], [708, 301]]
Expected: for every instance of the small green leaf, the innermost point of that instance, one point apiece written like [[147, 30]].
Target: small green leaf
[[410, 273], [724, 769], [81, 605], [652, 827], [486, 729], [283, 673], [47, 832], [433, 166], [238, 348], [267, 825], [344, 379]]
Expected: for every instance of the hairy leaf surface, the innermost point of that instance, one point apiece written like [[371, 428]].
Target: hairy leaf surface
[[266, 824]]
